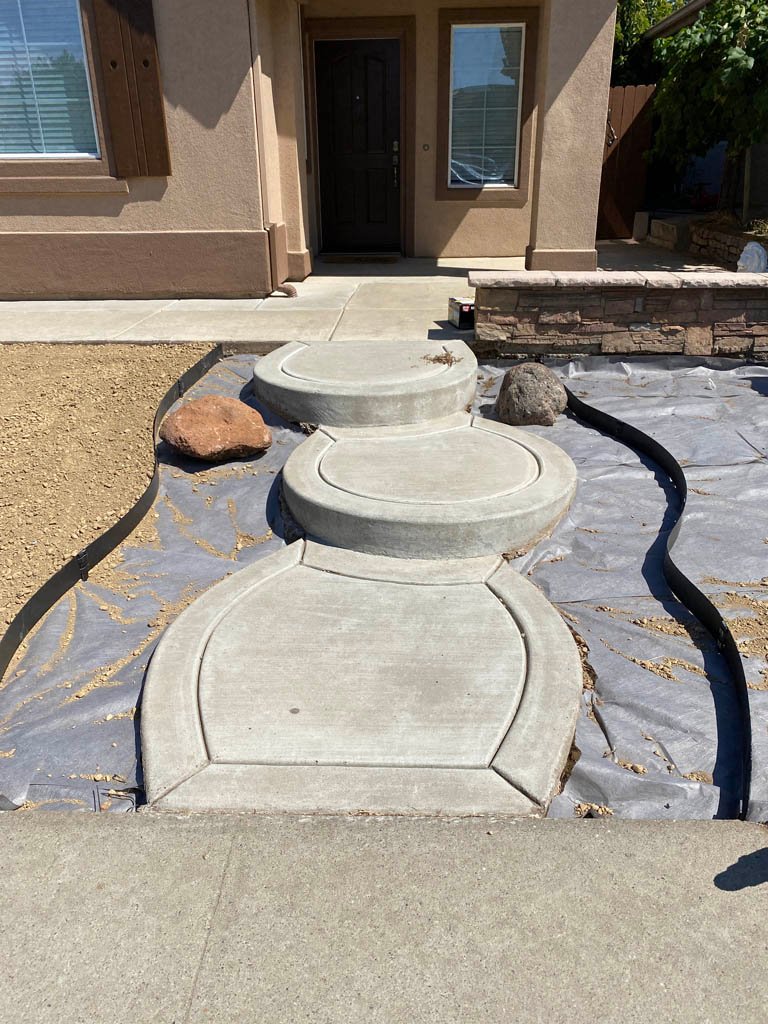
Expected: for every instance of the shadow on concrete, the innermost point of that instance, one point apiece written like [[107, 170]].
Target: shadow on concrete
[[444, 330], [627, 254], [748, 872], [403, 267]]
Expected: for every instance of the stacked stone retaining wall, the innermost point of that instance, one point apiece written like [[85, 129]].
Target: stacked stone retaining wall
[[629, 312], [718, 242]]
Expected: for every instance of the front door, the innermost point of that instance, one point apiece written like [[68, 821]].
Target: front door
[[358, 117]]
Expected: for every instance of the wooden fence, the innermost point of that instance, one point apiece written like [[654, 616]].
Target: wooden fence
[[628, 138]]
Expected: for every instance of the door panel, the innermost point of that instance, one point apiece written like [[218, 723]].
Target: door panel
[[358, 116]]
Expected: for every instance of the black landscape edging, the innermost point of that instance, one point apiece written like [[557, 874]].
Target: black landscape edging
[[695, 600], [78, 567]]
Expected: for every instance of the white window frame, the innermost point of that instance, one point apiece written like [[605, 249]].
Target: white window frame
[[518, 128], [33, 155]]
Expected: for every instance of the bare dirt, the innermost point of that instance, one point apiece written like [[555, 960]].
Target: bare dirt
[[751, 630], [75, 449]]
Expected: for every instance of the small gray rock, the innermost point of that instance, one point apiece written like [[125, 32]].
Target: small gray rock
[[530, 394]]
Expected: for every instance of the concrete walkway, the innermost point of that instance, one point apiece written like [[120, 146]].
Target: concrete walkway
[[406, 300], [333, 305], [137, 918], [427, 676]]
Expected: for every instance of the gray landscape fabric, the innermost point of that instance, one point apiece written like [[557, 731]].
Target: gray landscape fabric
[[659, 735]]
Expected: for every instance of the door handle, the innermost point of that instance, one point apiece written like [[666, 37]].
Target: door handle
[[396, 170]]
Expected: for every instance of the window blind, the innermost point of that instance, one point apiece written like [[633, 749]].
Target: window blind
[[45, 95], [486, 67]]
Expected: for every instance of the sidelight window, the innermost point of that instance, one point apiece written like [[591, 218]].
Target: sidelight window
[[486, 70]]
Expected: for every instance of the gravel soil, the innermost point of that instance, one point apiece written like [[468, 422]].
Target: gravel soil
[[75, 449]]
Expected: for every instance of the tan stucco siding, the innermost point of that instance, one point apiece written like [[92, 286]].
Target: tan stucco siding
[[205, 62], [234, 102], [576, 50], [277, 46], [441, 228], [198, 232]]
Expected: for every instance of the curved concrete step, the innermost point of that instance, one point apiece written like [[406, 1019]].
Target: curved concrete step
[[412, 687], [367, 383], [457, 488]]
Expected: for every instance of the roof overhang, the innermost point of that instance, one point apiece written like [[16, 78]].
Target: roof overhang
[[681, 18]]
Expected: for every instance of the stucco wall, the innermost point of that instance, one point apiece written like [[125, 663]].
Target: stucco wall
[[205, 62], [279, 82], [221, 115], [576, 51], [557, 224], [447, 228]]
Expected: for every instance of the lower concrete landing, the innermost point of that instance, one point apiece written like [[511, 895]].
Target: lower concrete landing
[[367, 383], [455, 488], [412, 687]]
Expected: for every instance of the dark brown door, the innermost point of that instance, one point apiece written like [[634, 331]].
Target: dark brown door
[[358, 116]]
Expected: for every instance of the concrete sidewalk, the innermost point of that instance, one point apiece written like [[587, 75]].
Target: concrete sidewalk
[[373, 301], [147, 917], [407, 300]]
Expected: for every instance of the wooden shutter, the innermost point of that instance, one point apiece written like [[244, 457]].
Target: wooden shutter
[[133, 91]]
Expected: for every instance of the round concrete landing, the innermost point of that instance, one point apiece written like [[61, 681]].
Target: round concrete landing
[[411, 687], [366, 383], [457, 488]]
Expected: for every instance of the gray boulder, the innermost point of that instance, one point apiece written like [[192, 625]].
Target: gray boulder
[[530, 395]]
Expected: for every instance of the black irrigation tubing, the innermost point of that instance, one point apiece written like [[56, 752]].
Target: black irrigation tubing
[[695, 600], [78, 567]]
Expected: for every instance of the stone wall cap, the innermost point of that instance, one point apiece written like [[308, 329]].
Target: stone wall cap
[[511, 279], [584, 279], [661, 279], [599, 279], [728, 279]]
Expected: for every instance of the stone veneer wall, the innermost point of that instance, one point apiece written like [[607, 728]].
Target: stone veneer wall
[[629, 312], [718, 242]]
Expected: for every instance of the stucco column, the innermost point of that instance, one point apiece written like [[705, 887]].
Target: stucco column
[[288, 94], [575, 66]]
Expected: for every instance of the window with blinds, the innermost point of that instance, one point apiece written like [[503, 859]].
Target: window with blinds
[[486, 71], [46, 107]]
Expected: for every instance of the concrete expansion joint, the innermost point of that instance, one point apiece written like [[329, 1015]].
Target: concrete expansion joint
[[539, 807], [428, 677]]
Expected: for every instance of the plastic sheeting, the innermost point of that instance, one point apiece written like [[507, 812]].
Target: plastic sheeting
[[714, 420], [68, 710], [660, 729]]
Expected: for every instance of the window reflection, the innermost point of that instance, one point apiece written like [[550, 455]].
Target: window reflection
[[486, 65], [45, 98]]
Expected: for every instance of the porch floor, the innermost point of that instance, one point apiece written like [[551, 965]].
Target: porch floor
[[406, 300]]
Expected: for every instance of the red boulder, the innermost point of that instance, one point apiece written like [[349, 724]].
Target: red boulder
[[216, 429]]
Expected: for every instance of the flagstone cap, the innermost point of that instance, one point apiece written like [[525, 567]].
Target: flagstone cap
[[518, 280]]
